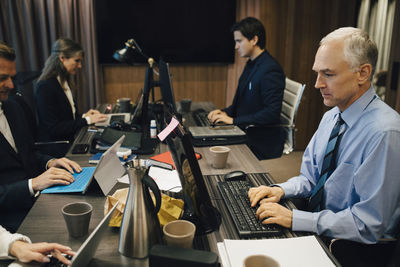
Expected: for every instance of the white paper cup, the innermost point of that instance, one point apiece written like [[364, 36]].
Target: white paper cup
[[260, 261], [220, 156], [179, 233]]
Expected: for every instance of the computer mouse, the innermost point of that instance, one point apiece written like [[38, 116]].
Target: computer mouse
[[235, 176]]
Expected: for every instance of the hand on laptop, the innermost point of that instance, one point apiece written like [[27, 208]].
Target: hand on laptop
[[219, 116], [26, 252], [53, 176], [95, 116], [65, 163]]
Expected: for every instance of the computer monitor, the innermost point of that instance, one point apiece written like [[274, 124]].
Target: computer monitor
[[167, 92], [198, 206]]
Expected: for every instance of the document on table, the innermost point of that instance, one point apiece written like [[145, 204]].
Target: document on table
[[296, 251], [167, 180]]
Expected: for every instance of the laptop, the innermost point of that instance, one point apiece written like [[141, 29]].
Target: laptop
[[216, 131], [105, 173], [217, 135], [125, 117], [86, 251]]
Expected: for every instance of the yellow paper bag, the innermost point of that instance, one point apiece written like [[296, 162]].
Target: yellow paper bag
[[171, 208]]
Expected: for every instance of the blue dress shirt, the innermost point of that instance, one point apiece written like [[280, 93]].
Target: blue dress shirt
[[362, 195]]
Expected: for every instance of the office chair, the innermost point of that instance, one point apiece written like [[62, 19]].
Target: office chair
[[270, 141], [23, 95]]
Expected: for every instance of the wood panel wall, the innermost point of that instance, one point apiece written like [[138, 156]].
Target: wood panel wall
[[294, 28], [199, 83]]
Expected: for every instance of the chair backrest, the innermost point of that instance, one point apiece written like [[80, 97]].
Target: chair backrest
[[291, 100]]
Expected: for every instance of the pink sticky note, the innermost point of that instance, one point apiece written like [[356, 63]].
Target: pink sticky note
[[167, 130]]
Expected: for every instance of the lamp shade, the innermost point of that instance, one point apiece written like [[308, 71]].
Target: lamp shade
[[129, 52]]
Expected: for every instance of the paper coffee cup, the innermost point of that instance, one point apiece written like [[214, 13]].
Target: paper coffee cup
[[260, 261], [220, 156], [77, 217], [179, 233]]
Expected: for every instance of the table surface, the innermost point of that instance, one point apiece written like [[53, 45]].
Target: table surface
[[45, 222]]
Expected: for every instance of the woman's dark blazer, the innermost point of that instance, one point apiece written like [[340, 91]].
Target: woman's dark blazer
[[56, 121]]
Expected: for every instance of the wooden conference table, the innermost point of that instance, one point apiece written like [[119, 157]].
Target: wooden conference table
[[45, 222]]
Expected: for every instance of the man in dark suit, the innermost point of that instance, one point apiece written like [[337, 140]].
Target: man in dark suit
[[258, 98], [23, 171]]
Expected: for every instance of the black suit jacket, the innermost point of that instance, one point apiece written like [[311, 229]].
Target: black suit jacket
[[56, 121], [258, 98], [17, 168]]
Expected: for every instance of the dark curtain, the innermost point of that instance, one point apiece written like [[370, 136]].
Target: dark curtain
[[31, 26]]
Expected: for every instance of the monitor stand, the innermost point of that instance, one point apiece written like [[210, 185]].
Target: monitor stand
[[209, 220]]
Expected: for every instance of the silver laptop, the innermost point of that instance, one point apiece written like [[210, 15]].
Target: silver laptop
[[200, 132], [109, 168], [87, 250]]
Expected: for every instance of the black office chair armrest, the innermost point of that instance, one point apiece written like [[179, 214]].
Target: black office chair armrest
[[51, 143], [266, 141], [252, 126], [351, 253], [56, 149]]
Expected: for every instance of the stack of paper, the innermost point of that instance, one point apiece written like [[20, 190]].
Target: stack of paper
[[296, 251], [167, 180]]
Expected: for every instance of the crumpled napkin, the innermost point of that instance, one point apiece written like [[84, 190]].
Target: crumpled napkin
[[171, 208]]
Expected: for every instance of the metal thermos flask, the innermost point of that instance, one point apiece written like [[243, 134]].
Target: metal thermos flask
[[140, 227]]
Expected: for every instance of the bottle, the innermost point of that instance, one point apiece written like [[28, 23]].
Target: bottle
[[153, 129]]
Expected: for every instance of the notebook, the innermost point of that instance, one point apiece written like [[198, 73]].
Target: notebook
[[105, 173]]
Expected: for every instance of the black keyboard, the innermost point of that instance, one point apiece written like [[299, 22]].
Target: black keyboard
[[200, 117], [234, 194], [54, 262]]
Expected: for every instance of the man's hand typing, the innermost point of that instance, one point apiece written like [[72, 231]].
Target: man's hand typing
[[52, 176], [264, 194], [26, 252], [274, 213], [65, 163]]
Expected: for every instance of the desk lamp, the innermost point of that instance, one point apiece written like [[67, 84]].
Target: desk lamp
[[127, 55]]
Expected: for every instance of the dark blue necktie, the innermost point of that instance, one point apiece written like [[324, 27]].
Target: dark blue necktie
[[328, 166]]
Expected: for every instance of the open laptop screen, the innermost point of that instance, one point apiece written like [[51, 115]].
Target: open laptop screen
[[197, 201]]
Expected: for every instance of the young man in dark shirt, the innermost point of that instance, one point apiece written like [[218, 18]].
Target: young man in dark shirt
[[258, 98]]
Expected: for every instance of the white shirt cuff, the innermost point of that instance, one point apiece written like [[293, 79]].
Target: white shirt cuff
[[87, 118], [31, 191], [30, 187], [16, 237]]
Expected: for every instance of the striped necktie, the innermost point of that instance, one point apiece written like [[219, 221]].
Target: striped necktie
[[328, 166]]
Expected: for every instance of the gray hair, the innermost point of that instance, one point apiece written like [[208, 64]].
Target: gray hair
[[358, 47]]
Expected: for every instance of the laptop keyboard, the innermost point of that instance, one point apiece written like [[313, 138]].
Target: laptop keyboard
[[54, 262], [200, 117], [234, 195]]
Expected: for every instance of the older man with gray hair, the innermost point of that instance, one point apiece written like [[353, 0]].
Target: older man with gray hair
[[350, 169]]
